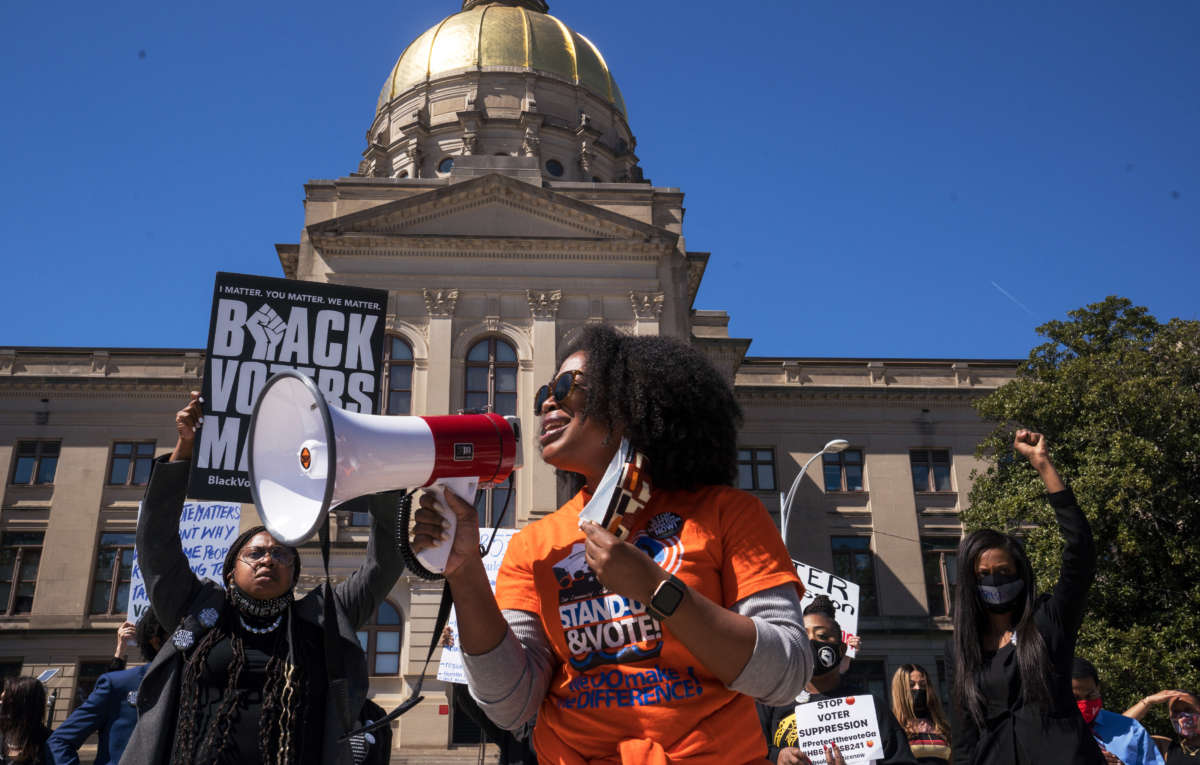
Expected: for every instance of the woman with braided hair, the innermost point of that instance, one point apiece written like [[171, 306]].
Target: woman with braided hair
[[243, 678]]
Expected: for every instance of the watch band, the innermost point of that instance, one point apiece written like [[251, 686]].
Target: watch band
[[667, 597]]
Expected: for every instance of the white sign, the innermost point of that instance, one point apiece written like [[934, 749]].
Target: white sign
[[451, 669], [206, 529], [849, 721], [842, 592]]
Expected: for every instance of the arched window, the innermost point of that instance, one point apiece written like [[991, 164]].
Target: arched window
[[491, 386], [381, 640], [399, 377]]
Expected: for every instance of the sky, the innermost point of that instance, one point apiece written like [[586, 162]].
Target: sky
[[873, 178]]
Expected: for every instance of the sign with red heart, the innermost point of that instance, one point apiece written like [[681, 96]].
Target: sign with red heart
[[851, 722]]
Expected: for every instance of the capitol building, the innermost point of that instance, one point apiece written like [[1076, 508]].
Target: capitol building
[[500, 199]]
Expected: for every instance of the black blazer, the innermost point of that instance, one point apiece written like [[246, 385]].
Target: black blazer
[[1056, 735]]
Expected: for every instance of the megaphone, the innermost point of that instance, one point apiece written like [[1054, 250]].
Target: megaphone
[[307, 457]]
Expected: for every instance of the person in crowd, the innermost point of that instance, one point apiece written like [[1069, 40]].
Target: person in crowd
[[111, 708], [918, 709], [779, 722], [651, 647], [22, 733], [1184, 711], [1123, 740], [1013, 649], [243, 677], [125, 633]]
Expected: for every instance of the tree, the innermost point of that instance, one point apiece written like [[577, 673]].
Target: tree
[[1117, 394]]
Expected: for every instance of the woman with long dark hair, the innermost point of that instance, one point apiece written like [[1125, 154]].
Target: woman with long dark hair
[[22, 733], [652, 646], [918, 710], [1013, 703], [243, 678]]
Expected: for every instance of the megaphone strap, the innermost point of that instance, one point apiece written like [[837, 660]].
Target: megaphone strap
[[415, 698]]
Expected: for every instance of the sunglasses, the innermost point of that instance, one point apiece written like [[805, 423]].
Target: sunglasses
[[280, 555], [560, 387]]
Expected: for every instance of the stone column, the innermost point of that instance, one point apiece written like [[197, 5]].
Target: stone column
[[439, 304], [647, 309], [543, 307]]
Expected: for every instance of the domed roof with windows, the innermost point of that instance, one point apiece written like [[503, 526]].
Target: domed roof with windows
[[502, 78]]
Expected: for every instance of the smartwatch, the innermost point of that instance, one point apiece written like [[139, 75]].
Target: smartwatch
[[667, 597]]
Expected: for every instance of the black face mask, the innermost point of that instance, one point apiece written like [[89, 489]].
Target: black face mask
[[1001, 593], [920, 702], [826, 657]]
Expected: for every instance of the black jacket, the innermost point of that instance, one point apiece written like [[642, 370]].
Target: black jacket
[[179, 598], [1057, 734], [779, 727]]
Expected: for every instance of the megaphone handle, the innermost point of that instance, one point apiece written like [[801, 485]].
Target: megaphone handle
[[434, 559]]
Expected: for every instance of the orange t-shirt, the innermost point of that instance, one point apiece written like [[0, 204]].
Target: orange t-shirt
[[625, 689]]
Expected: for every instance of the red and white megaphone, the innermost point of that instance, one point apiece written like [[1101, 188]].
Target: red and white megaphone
[[307, 457]]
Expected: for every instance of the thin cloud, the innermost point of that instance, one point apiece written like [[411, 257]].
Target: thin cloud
[[1020, 305]]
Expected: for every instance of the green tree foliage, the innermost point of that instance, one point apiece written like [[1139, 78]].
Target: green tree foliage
[[1117, 394]]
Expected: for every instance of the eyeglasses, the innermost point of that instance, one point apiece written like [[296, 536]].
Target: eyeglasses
[[280, 555], [560, 387]]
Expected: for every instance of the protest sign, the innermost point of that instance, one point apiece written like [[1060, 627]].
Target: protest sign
[[262, 326], [451, 668], [206, 529], [842, 592], [849, 721]]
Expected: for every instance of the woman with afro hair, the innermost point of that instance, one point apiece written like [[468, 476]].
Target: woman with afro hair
[[652, 647], [242, 678]]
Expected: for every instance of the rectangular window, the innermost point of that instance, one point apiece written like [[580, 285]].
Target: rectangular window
[[844, 470], [930, 469], [9, 668], [756, 469], [399, 373], [940, 556], [131, 463], [20, 553], [36, 463], [85, 680], [114, 567], [853, 560], [870, 675]]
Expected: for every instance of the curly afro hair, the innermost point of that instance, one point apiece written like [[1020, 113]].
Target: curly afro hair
[[675, 408]]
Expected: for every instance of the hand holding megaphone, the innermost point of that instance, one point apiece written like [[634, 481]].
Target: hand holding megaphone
[[443, 515]]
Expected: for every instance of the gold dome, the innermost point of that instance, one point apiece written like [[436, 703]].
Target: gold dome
[[500, 37]]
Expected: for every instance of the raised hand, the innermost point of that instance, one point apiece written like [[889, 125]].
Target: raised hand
[[1031, 446], [187, 421], [267, 328], [125, 633]]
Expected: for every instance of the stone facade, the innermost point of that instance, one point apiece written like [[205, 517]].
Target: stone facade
[[495, 246]]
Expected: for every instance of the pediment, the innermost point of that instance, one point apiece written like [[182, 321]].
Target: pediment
[[493, 206]]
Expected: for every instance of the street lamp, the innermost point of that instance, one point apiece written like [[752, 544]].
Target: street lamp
[[833, 447]]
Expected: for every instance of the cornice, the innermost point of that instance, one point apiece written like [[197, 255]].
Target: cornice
[[542, 203], [847, 395], [85, 387], [360, 245]]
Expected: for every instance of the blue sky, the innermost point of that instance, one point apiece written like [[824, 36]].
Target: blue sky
[[872, 178]]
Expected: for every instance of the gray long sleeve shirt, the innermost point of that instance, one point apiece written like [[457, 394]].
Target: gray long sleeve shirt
[[510, 681]]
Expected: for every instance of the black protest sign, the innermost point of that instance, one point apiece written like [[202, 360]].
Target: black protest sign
[[262, 326]]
